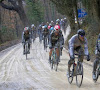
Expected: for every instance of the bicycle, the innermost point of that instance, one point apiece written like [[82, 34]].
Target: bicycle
[[97, 72], [26, 49], [54, 61], [45, 43], [76, 70]]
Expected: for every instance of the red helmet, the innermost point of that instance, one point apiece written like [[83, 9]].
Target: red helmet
[[49, 27], [56, 27]]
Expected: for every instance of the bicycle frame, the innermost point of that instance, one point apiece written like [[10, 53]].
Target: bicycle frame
[[97, 72], [54, 62], [26, 48], [79, 71]]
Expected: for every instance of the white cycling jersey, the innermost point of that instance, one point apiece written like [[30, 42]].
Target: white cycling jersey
[[75, 42]]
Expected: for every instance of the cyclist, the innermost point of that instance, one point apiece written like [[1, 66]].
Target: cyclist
[[40, 31], [57, 21], [62, 23], [33, 31], [47, 24], [50, 28], [52, 23], [56, 37], [97, 53], [45, 34], [26, 36], [75, 44]]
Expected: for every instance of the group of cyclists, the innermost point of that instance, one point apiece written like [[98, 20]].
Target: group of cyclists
[[52, 36]]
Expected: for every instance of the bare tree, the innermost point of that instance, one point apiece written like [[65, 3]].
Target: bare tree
[[16, 5]]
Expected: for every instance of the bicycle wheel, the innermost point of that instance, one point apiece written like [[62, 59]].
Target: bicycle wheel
[[26, 50], [55, 61], [79, 74], [70, 76], [97, 74], [52, 62], [56, 65]]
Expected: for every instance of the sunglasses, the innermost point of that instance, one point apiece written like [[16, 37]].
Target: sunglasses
[[82, 35]]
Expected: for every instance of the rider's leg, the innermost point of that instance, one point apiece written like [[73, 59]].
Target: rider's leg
[[24, 48], [96, 62], [57, 52], [29, 42], [80, 50], [70, 62], [44, 41], [50, 53], [95, 65], [61, 48]]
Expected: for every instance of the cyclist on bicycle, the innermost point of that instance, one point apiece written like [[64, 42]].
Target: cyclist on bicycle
[[56, 37], [40, 31], [52, 23], [26, 36], [33, 32], [75, 44], [97, 53], [45, 34], [57, 21], [47, 24]]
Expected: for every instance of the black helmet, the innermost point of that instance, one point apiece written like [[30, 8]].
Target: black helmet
[[81, 32]]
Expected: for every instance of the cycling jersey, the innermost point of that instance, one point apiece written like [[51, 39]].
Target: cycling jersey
[[25, 36], [55, 39], [75, 42], [45, 32]]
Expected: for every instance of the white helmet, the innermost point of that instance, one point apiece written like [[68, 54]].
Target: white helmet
[[43, 27], [65, 18], [32, 25], [61, 19], [51, 21], [26, 28]]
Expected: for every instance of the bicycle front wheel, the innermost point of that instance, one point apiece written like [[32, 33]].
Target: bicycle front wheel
[[79, 74], [56, 65], [70, 74], [26, 50], [97, 73]]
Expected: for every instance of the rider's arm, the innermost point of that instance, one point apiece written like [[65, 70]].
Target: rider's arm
[[96, 48], [86, 47], [71, 46], [22, 37]]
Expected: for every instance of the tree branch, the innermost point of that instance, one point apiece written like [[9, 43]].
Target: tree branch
[[8, 7], [13, 2]]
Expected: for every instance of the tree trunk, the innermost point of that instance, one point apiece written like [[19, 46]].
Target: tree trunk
[[18, 8]]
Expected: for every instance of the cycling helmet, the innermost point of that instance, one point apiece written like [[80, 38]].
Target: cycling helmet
[[42, 23], [45, 26], [32, 25], [51, 21], [57, 20], [50, 24], [61, 19], [47, 23], [52, 28], [64, 18], [26, 28], [57, 23], [49, 27], [81, 32], [57, 27]]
